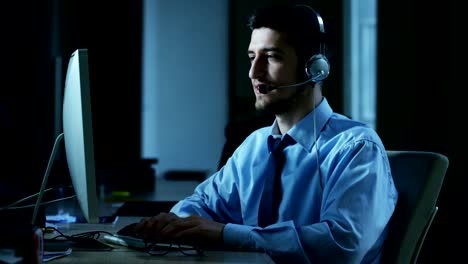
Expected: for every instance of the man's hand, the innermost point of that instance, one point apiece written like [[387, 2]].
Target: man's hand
[[150, 227], [193, 230]]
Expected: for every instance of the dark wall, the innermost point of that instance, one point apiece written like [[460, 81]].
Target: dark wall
[[415, 100], [36, 33], [111, 31], [25, 95]]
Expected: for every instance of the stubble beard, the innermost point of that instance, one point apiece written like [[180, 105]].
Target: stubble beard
[[278, 106]]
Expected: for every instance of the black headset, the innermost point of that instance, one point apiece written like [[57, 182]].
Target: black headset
[[317, 67]]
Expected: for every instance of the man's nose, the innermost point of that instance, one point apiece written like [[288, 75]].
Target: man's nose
[[257, 68]]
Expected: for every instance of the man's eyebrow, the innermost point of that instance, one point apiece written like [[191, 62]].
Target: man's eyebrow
[[278, 50]]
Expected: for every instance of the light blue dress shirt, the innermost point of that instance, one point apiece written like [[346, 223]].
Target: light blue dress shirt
[[338, 193]]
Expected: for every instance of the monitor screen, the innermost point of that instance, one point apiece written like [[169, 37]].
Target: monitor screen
[[78, 134]]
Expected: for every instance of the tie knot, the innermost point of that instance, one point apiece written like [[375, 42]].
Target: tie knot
[[278, 144]]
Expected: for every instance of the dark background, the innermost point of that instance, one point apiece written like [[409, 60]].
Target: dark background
[[418, 88]]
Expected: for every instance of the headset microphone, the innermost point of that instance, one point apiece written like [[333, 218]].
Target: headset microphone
[[264, 89]]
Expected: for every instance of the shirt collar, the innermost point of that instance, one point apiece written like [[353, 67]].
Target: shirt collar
[[303, 131]]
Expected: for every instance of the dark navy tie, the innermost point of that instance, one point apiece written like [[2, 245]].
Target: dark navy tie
[[272, 193]]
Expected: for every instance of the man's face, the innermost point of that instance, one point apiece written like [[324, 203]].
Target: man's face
[[274, 63]]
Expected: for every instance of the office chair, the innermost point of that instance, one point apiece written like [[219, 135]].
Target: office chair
[[418, 177]]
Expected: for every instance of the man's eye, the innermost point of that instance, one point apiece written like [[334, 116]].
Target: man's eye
[[273, 57], [251, 58]]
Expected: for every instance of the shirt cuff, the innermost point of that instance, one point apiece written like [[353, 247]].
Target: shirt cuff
[[237, 236]]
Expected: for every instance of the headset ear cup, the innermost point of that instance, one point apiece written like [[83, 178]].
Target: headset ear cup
[[317, 68]]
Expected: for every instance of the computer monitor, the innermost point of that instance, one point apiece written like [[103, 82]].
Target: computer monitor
[[78, 134]]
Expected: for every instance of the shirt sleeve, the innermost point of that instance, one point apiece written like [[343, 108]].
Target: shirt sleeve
[[216, 198]]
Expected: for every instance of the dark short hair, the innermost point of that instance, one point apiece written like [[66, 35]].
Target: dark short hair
[[298, 22]]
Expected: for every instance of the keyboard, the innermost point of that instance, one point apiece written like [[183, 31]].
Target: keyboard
[[127, 237]]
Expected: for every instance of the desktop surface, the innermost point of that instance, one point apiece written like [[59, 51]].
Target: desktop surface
[[122, 254], [126, 256]]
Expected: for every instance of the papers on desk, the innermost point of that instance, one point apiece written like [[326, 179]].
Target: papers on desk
[[50, 255]]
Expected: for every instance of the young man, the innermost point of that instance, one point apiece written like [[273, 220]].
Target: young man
[[334, 195]]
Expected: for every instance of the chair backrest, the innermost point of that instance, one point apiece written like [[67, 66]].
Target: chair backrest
[[418, 176]]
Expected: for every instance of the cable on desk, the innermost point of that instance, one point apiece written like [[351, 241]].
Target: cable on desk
[[77, 237], [12, 205]]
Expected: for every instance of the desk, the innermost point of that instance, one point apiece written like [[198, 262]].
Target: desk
[[128, 256]]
